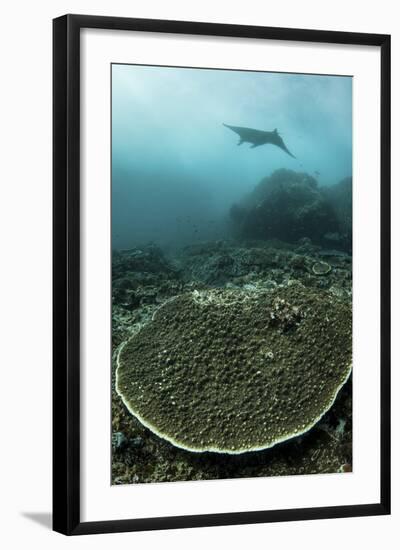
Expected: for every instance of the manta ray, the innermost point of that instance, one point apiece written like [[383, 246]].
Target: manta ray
[[259, 137]]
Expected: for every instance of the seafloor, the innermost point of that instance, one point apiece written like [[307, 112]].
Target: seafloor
[[145, 277]]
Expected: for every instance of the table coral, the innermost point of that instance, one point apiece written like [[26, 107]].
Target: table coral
[[231, 371]]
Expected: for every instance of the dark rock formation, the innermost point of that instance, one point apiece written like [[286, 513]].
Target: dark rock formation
[[288, 206], [341, 198]]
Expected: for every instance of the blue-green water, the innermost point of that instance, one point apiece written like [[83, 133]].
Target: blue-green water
[[176, 170]]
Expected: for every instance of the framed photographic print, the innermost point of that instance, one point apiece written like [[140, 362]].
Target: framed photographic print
[[221, 274]]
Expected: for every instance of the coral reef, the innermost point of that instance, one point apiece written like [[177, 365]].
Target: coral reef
[[321, 268], [140, 275], [139, 455], [260, 262], [290, 205], [319, 451], [287, 205], [340, 197], [233, 371]]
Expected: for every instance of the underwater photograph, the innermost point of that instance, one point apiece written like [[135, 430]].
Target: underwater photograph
[[231, 274]]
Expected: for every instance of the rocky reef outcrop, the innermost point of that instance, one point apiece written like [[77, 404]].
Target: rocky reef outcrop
[[340, 197], [290, 205], [139, 274]]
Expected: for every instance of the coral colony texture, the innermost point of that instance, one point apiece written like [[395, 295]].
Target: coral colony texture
[[256, 367], [231, 275]]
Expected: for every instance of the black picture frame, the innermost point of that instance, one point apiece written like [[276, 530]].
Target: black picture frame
[[66, 272]]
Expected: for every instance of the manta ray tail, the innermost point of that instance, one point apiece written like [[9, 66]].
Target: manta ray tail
[[282, 146], [288, 152]]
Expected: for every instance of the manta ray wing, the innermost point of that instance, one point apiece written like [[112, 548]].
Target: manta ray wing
[[247, 134]]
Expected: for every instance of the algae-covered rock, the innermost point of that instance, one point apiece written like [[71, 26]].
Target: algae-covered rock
[[231, 371]]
